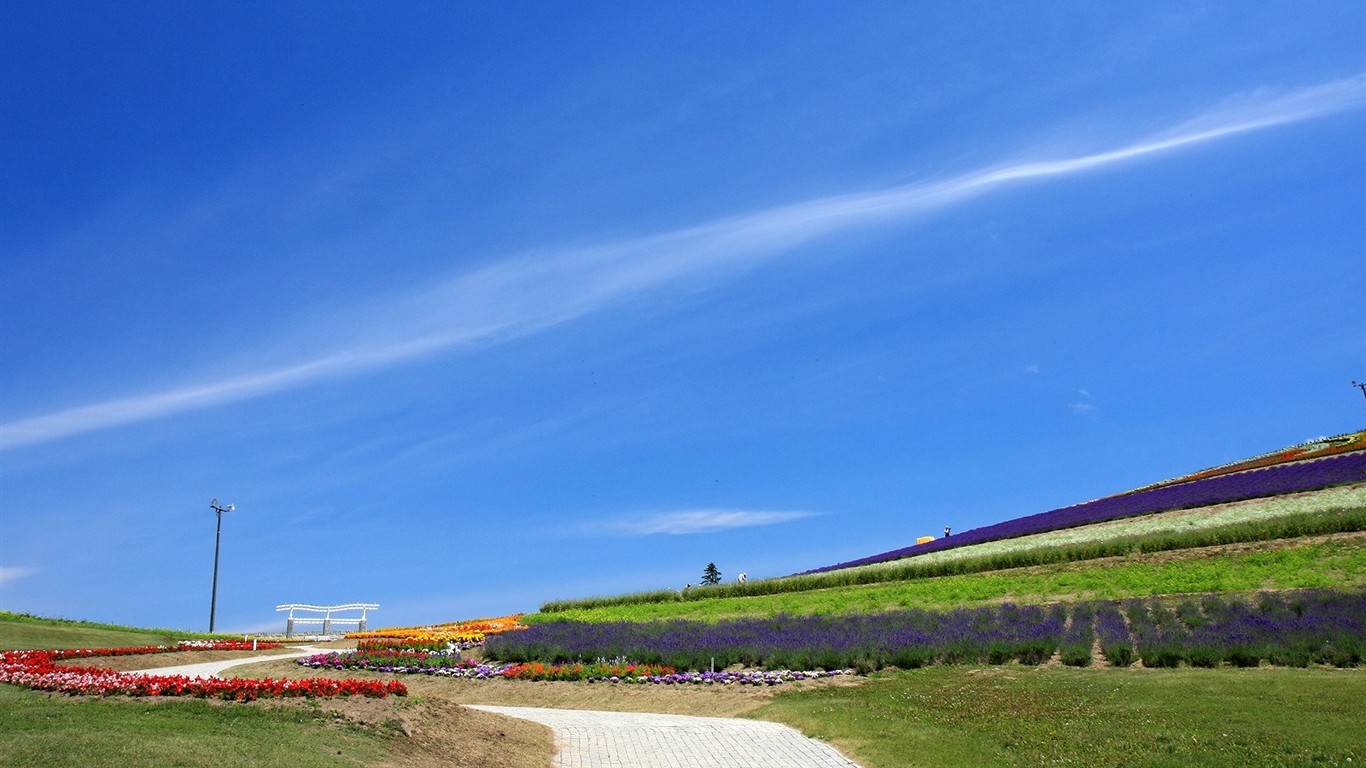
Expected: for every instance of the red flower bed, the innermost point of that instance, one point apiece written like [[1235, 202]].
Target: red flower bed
[[38, 670], [184, 645]]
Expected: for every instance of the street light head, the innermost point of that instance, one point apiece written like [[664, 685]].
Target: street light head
[[230, 507], [214, 503]]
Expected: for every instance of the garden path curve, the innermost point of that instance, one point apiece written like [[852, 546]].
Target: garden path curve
[[212, 668], [588, 739], [641, 740]]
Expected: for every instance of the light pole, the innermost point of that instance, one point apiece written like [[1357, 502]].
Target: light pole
[[217, 538]]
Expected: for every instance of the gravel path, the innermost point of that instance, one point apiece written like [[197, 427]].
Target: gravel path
[[213, 668], [632, 739], [638, 740]]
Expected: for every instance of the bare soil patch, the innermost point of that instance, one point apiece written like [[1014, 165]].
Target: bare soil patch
[[434, 733]]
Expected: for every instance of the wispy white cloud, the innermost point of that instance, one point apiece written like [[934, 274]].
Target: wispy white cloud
[[1083, 404], [523, 296], [698, 521], [11, 573]]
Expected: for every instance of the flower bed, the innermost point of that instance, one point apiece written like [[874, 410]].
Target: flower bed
[[728, 677], [183, 645], [388, 660], [1313, 627], [1276, 480], [436, 637], [1314, 449], [405, 664], [38, 670], [451, 665]]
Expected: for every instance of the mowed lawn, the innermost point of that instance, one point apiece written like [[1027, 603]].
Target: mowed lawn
[[1025, 716]]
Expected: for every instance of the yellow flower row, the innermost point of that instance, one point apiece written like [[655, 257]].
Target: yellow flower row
[[471, 631]]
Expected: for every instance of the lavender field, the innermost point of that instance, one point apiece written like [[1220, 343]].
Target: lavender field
[[1272, 481], [1285, 629]]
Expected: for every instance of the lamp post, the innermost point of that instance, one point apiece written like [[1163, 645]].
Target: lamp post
[[217, 538]]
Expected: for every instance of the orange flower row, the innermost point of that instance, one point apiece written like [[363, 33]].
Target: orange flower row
[[471, 631]]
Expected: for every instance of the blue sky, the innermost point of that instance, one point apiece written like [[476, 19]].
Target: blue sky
[[470, 308]]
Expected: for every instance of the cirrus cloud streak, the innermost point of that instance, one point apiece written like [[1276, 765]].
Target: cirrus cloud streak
[[519, 297], [700, 521]]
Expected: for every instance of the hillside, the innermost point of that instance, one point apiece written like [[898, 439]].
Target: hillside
[[1324, 463], [21, 631], [1152, 638], [1311, 490]]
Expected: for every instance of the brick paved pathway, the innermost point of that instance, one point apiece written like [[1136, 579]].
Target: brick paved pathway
[[638, 740]]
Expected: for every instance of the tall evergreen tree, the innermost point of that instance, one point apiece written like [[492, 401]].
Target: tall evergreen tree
[[710, 575]]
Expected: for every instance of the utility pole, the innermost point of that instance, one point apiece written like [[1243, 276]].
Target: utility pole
[[217, 539], [1360, 386]]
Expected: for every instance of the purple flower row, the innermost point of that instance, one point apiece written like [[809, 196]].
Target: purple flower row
[[1287, 630], [864, 641], [728, 677], [1314, 627], [1271, 481]]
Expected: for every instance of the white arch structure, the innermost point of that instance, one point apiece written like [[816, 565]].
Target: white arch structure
[[326, 619]]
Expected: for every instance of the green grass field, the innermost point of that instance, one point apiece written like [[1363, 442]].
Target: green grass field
[[1025, 716], [21, 631], [43, 731], [1336, 510], [1267, 565]]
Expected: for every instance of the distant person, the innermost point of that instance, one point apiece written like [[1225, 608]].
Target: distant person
[[741, 578], [686, 587], [946, 531]]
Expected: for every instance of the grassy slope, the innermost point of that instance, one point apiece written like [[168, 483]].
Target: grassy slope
[[56, 731], [1339, 561], [1013, 716], [22, 631], [1174, 521], [23, 635], [1336, 510]]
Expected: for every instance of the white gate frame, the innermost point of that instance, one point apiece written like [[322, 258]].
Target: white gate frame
[[327, 619]]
